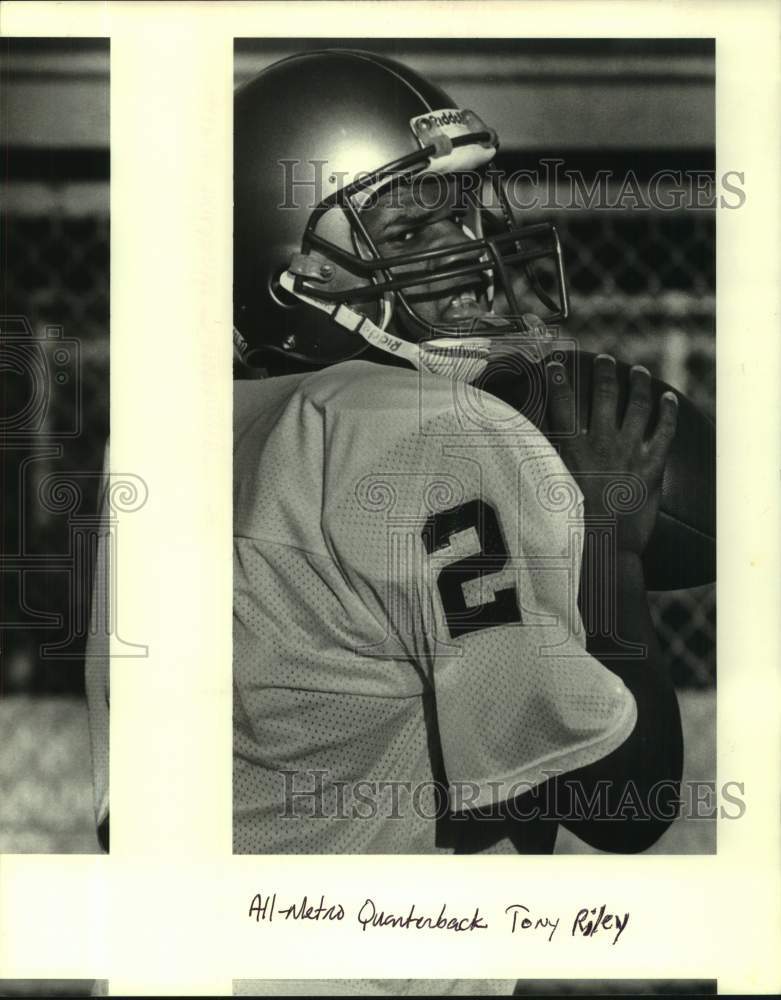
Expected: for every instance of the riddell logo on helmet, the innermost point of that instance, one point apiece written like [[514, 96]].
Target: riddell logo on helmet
[[439, 119]]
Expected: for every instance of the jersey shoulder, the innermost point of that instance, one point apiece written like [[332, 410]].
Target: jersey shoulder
[[303, 441], [374, 392], [407, 401]]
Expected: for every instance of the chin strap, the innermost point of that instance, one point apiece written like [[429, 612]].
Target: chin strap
[[458, 358]]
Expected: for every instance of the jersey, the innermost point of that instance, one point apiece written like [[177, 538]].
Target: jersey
[[406, 634]]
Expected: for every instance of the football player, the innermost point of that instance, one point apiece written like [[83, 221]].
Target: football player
[[414, 559]]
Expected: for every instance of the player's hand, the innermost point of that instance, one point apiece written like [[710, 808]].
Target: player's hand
[[612, 457]]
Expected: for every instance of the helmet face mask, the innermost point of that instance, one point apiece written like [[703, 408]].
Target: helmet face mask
[[419, 249], [485, 253]]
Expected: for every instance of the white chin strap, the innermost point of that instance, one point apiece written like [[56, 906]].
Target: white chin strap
[[458, 358]]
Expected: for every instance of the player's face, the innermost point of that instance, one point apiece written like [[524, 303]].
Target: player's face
[[428, 216]]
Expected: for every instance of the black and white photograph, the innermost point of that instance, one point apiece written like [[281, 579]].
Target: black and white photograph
[[53, 988], [474, 987], [54, 380], [390, 551], [474, 446]]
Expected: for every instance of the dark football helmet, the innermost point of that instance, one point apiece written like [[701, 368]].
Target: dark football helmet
[[318, 138]]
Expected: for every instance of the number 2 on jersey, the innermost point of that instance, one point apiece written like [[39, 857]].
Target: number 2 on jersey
[[492, 558]]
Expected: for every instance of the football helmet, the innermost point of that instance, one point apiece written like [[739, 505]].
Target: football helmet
[[318, 139]]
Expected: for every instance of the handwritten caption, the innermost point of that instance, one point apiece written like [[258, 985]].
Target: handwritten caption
[[517, 918]]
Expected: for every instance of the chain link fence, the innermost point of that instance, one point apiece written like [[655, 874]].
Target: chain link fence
[[54, 294], [643, 287]]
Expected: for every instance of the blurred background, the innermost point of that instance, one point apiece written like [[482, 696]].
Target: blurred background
[[615, 987], [642, 280], [523, 987], [52, 987], [54, 387], [642, 284]]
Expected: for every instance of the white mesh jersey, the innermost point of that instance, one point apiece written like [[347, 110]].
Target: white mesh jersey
[[406, 563]]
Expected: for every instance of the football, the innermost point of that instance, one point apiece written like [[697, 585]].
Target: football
[[682, 549]]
